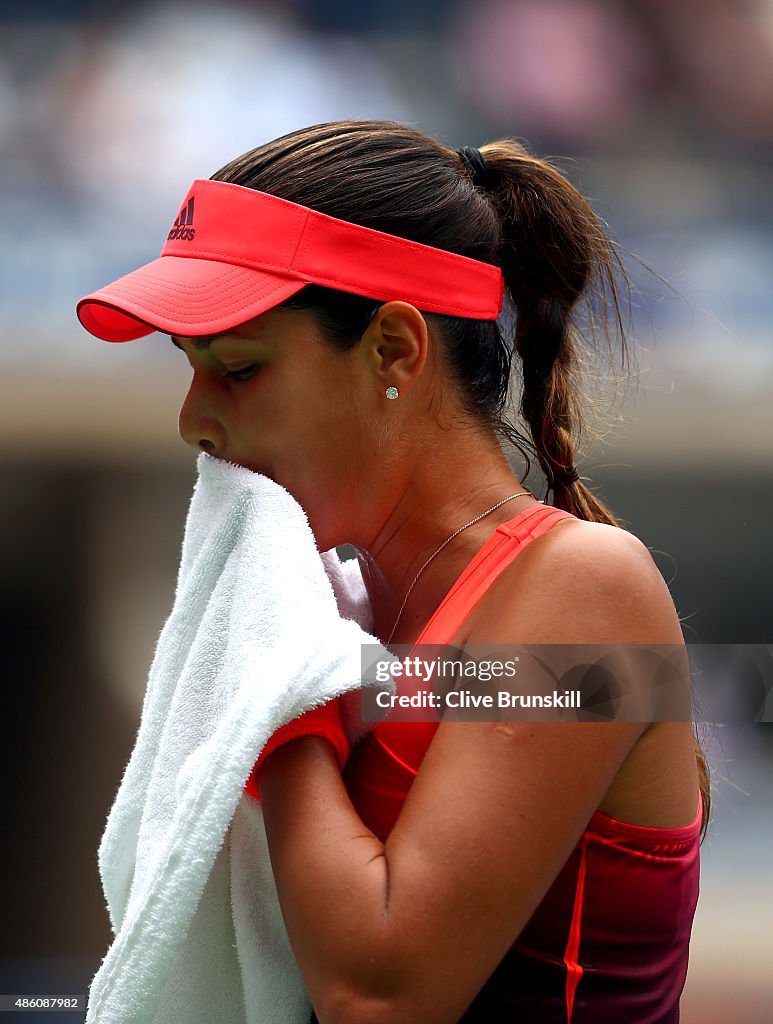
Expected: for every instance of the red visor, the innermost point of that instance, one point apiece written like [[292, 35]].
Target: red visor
[[232, 253]]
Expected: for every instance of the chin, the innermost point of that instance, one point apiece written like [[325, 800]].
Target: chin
[[324, 536], [324, 526]]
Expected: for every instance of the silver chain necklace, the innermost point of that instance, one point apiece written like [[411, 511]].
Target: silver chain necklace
[[448, 540]]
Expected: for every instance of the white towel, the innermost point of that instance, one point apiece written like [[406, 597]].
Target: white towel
[[255, 637]]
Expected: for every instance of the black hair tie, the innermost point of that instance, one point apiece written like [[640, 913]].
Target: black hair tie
[[475, 164], [566, 476]]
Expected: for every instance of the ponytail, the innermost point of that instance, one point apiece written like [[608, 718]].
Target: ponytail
[[558, 264]]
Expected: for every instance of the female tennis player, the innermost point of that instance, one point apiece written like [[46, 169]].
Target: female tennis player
[[339, 293]]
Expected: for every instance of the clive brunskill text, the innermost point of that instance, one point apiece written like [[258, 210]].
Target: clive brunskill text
[[468, 699]]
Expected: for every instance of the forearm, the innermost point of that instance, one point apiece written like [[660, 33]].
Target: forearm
[[410, 930], [332, 877]]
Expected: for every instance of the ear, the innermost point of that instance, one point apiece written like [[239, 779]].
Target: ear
[[395, 345]]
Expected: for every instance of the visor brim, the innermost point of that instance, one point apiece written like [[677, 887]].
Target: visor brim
[[182, 296]]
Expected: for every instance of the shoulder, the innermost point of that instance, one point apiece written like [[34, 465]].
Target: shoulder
[[584, 582], [576, 550]]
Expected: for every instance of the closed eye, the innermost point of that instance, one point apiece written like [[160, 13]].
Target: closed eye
[[244, 373]]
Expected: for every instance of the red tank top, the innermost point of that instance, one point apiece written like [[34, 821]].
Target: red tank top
[[609, 942]]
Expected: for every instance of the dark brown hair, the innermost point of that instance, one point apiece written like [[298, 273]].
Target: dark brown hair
[[562, 275]]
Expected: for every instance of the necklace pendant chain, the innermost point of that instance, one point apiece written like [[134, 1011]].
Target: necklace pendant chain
[[448, 540]]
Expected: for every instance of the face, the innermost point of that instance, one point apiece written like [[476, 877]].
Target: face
[[275, 397]]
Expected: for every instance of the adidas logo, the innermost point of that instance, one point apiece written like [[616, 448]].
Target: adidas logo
[[183, 226]]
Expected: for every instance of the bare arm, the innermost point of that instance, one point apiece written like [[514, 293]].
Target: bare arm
[[411, 929]]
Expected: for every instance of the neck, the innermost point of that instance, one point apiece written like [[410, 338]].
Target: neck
[[443, 493]]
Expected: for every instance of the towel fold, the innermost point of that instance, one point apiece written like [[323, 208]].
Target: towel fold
[[262, 629]]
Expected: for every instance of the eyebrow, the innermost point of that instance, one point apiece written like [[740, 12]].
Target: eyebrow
[[201, 343]]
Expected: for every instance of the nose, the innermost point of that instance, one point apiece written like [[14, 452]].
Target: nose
[[198, 427]]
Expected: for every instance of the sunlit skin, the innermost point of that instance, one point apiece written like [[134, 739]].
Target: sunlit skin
[[409, 930]]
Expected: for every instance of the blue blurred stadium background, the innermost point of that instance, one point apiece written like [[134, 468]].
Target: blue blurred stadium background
[[661, 113]]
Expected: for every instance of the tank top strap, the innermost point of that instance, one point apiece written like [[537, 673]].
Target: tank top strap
[[507, 541]]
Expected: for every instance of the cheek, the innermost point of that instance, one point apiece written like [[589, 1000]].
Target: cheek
[[309, 431], [323, 462], [331, 425]]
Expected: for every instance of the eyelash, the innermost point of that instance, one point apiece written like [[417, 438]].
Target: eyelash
[[248, 370]]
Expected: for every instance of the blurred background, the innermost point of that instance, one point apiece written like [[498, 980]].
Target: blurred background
[[661, 113]]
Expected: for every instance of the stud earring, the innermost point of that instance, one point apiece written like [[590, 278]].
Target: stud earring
[[392, 392]]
